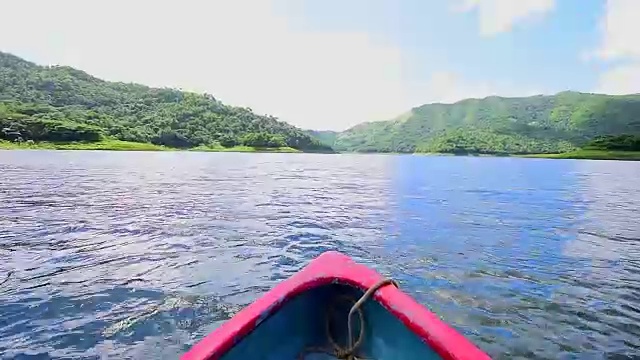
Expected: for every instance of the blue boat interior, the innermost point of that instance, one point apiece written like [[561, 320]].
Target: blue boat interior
[[299, 330]]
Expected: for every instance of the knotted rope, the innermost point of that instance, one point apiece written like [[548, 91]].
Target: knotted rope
[[348, 353]]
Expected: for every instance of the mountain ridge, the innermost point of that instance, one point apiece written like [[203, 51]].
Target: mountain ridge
[[498, 125]]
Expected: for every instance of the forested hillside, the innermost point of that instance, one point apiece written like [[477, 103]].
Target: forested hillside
[[494, 125], [60, 103]]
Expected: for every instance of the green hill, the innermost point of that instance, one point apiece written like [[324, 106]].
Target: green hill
[[62, 104], [496, 125], [59, 104]]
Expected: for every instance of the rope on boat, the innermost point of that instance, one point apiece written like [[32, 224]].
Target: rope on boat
[[348, 353]]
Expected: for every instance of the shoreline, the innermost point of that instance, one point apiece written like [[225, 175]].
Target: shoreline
[[575, 155], [572, 155], [118, 145], [589, 155]]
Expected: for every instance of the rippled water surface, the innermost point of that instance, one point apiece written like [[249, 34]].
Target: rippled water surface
[[139, 255]]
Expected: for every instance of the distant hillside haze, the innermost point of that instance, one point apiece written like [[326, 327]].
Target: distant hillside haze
[[326, 137], [61, 103], [496, 125]]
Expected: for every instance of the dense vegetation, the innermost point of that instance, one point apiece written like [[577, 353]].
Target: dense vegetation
[[62, 104], [496, 125], [615, 143]]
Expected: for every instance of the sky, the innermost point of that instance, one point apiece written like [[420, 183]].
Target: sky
[[331, 64]]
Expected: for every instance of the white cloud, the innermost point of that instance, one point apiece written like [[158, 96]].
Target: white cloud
[[621, 80], [496, 16], [241, 51], [620, 28], [244, 53], [448, 87]]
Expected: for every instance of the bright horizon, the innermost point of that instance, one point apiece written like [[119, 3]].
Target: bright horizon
[[330, 65]]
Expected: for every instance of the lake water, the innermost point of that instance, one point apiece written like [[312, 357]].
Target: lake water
[[139, 255]]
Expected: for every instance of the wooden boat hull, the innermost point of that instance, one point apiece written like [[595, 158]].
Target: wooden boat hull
[[300, 317]]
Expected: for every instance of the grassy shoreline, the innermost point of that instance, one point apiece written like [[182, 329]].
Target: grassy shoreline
[[590, 155], [118, 145], [577, 154]]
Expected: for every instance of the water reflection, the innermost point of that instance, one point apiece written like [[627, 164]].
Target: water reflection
[[486, 246], [603, 298], [612, 201]]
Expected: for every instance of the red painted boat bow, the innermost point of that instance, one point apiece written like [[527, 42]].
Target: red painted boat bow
[[327, 268]]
